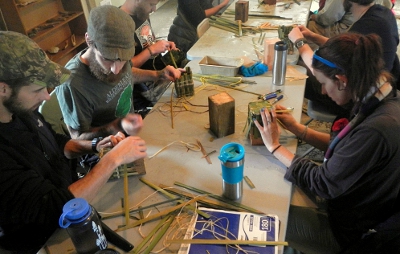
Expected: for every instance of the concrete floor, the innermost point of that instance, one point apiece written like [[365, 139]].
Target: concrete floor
[[162, 18]]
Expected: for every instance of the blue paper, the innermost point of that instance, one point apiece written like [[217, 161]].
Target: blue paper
[[243, 226]]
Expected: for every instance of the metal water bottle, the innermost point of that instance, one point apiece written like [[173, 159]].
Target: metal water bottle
[[83, 226], [232, 163], [279, 69]]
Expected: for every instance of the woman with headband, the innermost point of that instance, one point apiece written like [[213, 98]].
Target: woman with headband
[[358, 182]]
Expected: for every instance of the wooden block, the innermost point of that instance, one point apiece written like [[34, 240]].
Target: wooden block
[[222, 114], [242, 10], [270, 2], [255, 141]]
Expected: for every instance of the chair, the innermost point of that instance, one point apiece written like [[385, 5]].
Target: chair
[[203, 27], [52, 114], [319, 112]]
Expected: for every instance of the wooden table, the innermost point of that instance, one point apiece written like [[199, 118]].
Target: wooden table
[[218, 42], [176, 163]]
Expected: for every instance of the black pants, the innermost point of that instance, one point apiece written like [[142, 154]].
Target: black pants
[[309, 232]]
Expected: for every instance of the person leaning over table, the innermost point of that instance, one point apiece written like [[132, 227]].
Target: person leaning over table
[[190, 13], [147, 52], [368, 18], [97, 100], [333, 19], [359, 178], [36, 180]]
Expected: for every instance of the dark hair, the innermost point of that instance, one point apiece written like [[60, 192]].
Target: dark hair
[[362, 2], [16, 84], [357, 56]]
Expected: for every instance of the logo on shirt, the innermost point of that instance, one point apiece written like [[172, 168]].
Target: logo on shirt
[[145, 34]]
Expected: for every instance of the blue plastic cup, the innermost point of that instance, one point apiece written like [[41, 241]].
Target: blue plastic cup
[[232, 163]]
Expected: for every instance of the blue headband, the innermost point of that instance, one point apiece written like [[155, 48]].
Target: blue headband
[[326, 62]]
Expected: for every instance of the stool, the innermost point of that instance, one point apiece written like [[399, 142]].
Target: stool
[[319, 112], [203, 27]]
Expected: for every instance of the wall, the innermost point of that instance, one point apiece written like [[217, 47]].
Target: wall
[[89, 4]]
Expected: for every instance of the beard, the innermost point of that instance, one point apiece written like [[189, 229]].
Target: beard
[[15, 106], [98, 70], [141, 14], [347, 5]]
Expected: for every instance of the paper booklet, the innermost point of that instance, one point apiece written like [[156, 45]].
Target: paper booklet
[[234, 226]]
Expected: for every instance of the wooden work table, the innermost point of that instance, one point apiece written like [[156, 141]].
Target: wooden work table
[[272, 194], [218, 42], [177, 163]]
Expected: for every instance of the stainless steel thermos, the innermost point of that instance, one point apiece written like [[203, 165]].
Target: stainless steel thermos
[[279, 69], [232, 163]]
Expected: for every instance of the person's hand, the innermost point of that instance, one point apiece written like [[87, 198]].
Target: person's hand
[[170, 73], [110, 141], [286, 119], [172, 46], [128, 150], [270, 130], [132, 124], [295, 34], [162, 46], [306, 32]]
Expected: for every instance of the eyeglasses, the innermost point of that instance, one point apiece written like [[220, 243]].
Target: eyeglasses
[[324, 61]]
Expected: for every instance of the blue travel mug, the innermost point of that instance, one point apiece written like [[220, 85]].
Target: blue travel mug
[[232, 162]]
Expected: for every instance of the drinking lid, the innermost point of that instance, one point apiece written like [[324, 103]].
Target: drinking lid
[[74, 211], [231, 152], [281, 46]]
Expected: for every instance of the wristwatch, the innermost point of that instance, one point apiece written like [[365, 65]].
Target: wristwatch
[[300, 43], [95, 141]]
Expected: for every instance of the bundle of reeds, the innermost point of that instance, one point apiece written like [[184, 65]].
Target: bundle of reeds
[[235, 27]]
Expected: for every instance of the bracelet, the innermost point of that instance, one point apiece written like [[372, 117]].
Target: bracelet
[[95, 141], [151, 53], [304, 134], [276, 148]]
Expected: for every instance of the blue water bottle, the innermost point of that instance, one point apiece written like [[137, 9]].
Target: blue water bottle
[[83, 226], [232, 163]]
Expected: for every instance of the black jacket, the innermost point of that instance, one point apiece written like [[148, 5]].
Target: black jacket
[[34, 182], [184, 27]]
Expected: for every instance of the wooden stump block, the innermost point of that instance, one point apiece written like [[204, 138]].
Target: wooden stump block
[[222, 114], [270, 2], [242, 10]]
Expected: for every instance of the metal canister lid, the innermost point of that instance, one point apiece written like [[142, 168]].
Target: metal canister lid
[[280, 46]]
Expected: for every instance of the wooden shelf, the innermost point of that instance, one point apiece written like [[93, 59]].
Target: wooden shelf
[[42, 30], [29, 4], [80, 40], [50, 23]]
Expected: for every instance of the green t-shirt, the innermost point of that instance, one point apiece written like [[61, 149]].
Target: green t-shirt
[[87, 102]]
